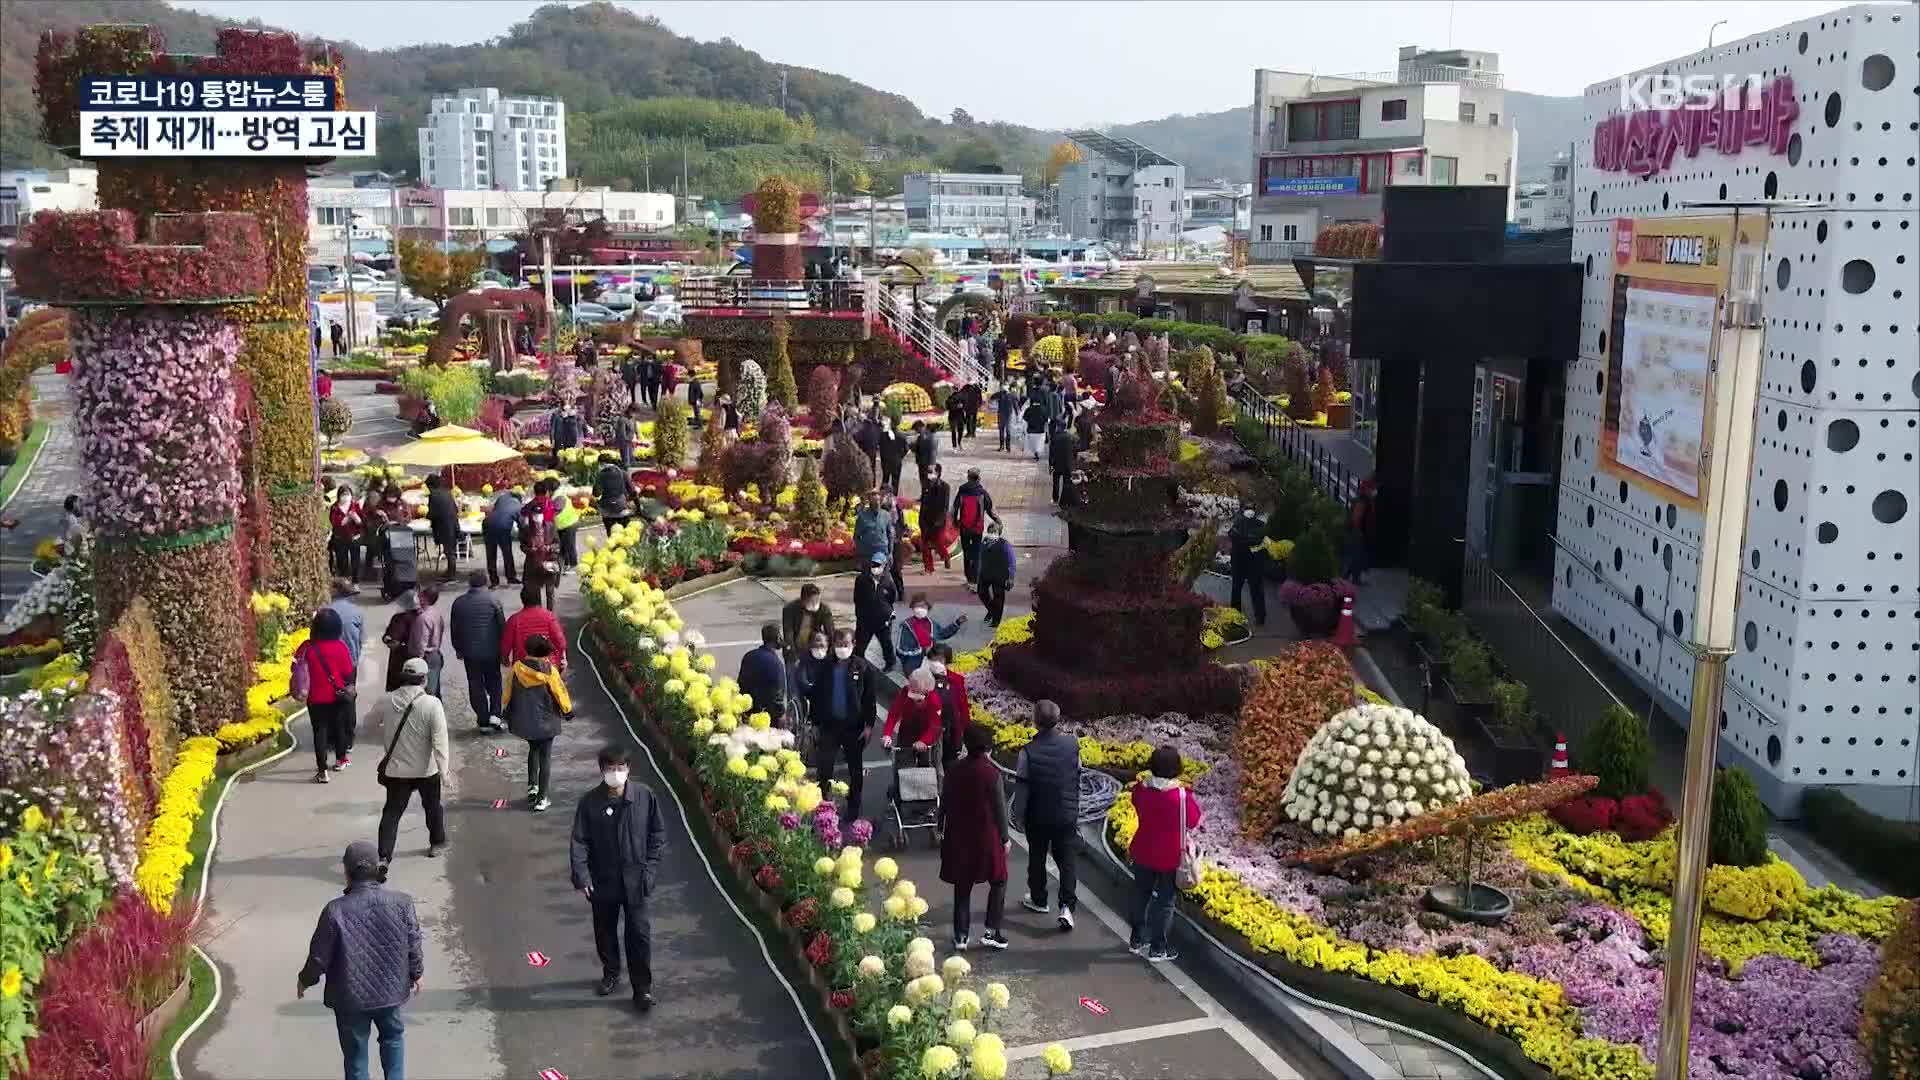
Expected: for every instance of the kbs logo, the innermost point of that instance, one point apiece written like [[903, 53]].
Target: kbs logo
[[1667, 114]]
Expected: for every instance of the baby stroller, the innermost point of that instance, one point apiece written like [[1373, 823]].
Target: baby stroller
[[402, 570], [914, 797]]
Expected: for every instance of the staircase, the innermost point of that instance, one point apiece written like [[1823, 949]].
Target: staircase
[[919, 331]]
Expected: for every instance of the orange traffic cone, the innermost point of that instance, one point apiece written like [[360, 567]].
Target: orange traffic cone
[[1343, 634], [1559, 767]]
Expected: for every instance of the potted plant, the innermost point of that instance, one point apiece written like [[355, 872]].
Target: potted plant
[[1470, 678], [1513, 731], [1315, 607]]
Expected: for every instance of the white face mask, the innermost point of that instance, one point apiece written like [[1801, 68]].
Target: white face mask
[[843, 651], [819, 652], [345, 499], [614, 777], [937, 667], [913, 696], [1246, 513], [920, 613], [812, 605]]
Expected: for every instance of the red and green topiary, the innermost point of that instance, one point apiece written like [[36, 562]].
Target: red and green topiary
[[1618, 751], [823, 396], [90, 257], [1642, 817]]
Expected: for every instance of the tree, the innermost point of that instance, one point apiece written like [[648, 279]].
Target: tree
[[436, 275], [670, 433], [823, 395], [810, 502], [781, 387], [1063, 153], [962, 118], [713, 446], [845, 470]]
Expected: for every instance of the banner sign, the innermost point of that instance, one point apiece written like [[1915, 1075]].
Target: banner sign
[[1312, 185], [1671, 275], [194, 93], [136, 133]]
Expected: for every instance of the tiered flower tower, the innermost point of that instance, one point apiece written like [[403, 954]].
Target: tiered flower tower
[[154, 352], [1113, 632], [275, 358]]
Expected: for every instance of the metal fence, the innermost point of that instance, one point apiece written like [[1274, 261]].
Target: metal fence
[[1568, 693], [763, 297], [1297, 445], [1273, 251]]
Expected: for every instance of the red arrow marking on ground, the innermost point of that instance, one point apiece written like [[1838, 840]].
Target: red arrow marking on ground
[[1093, 1006], [552, 1074], [537, 959], [499, 804], [499, 751]]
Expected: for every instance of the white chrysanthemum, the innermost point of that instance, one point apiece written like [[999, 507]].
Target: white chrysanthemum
[[1369, 767]]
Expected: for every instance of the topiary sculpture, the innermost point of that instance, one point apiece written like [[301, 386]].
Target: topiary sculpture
[[1372, 766], [670, 433], [1737, 835], [750, 388], [1617, 751], [810, 503]]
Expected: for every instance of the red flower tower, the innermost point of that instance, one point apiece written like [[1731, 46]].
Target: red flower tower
[[1113, 631]]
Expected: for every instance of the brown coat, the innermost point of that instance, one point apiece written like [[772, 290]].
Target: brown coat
[[973, 848]]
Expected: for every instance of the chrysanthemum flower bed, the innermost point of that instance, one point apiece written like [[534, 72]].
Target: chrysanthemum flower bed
[[857, 923]]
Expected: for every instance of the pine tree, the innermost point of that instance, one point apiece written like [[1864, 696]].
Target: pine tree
[[810, 520], [670, 433], [780, 382]]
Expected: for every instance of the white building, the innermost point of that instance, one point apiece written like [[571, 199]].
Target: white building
[[459, 216], [1219, 203], [25, 192], [971, 204], [1546, 204], [1124, 193], [1824, 688], [1325, 148], [480, 139]]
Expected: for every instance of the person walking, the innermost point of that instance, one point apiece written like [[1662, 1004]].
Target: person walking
[[926, 452], [1004, 401], [696, 395], [1247, 559], [353, 625], [540, 538], [496, 533], [612, 487], [1037, 418], [566, 525], [619, 837], [1048, 770], [936, 498], [951, 688], [893, 453], [416, 760], [873, 529], [535, 706], [918, 633], [443, 515], [763, 675], [398, 636], [972, 510], [801, 619], [974, 840], [912, 728], [344, 520], [873, 600], [626, 431], [631, 373], [1359, 533], [651, 374], [367, 946], [1167, 810], [324, 678], [530, 620], [476, 626], [841, 700], [996, 573], [1061, 447], [866, 436], [338, 336], [316, 341], [902, 545], [428, 634]]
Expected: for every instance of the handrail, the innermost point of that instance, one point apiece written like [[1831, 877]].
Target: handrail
[[927, 336]]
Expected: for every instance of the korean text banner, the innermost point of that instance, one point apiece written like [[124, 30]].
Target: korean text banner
[[209, 93], [226, 134], [1669, 281]]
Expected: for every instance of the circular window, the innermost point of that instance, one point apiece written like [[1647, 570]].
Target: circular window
[[1842, 436], [1593, 203], [1779, 494], [1639, 596], [1673, 516], [1876, 72], [1780, 420], [1772, 186], [1723, 719], [1589, 517], [1889, 507], [1793, 150], [1803, 43], [1833, 109], [1753, 559], [1856, 276], [1820, 232], [1618, 558], [1808, 376], [1603, 342], [1752, 635], [1589, 266], [1783, 273], [1827, 532], [1666, 557], [1576, 446], [1600, 382], [1773, 749], [1679, 621]]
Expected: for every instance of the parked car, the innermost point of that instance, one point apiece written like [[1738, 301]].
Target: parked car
[[662, 311], [617, 299], [594, 313]]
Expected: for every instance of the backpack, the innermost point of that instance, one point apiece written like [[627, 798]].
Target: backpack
[[970, 517]]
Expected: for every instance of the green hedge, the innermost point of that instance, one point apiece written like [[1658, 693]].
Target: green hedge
[[1186, 334], [1884, 849]]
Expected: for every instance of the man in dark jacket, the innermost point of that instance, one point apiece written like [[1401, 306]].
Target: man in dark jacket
[[367, 945], [972, 509], [841, 701], [996, 574], [475, 625], [957, 407], [565, 429], [801, 619], [926, 450], [611, 486], [443, 515], [1248, 560], [1004, 400], [496, 532], [626, 430], [1061, 447], [763, 674], [1048, 774], [936, 496], [873, 600], [866, 436], [893, 453], [619, 838]]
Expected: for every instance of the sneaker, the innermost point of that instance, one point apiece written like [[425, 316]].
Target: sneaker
[[643, 1001], [1162, 956], [994, 939], [607, 984], [345, 760], [541, 804], [1031, 904], [960, 943], [1066, 919], [436, 850], [320, 777]]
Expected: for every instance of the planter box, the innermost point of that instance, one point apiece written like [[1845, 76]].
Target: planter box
[[1340, 417], [1473, 705], [1314, 622], [1429, 655], [155, 1023], [1515, 759]]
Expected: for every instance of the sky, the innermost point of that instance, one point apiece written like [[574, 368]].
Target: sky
[[1090, 62]]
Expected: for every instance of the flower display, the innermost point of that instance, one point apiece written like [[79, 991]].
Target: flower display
[[51, 883], [91, 257], [64, 753], [196, 603], [1372, 766]]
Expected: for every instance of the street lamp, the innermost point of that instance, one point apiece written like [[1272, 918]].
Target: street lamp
[[1732, 396]]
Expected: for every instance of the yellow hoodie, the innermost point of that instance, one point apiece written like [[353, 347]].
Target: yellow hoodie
[[531, 721]]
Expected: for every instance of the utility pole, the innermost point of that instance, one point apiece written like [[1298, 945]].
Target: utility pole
[[546, 283], [833, 233], [646, 162], [686, 192], [783, 91], [347, 244]]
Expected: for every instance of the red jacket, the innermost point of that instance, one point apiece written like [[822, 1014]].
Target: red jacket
[[525, 623], [1156, 845], [917, 721], [332, 658], [346, 522]]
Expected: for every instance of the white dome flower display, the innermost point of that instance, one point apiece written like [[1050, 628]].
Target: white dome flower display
[[1373, 766]]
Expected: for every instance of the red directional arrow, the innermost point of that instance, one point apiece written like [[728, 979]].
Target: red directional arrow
[[552, 1074], [1093, 1006], [499, 804], [538, 959]]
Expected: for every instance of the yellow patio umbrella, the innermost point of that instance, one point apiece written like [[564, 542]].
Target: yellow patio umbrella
[[451, 445]]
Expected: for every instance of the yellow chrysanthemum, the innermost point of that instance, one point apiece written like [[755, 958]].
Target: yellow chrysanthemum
[[1057, 1060], [885, 868], [864, 923]]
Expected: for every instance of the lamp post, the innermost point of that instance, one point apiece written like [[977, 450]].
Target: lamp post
[[1727, 473]]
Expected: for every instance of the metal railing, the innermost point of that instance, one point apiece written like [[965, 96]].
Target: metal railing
[[1434, 73], [1299, 447], [1273, 251], [762, 297], [1566, 691], [920, 330]]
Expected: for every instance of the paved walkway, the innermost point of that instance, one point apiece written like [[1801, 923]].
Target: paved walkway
[[38, 502]]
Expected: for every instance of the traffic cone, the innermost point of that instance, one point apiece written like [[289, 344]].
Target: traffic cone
[[1559, 767], [1343, 635]]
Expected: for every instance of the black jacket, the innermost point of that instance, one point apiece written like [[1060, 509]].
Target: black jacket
[[367, 944], [926, 448], [475, 625], [979, 492], [1060, 450], [935, 498], [893, 448], [816, 681], [1247, 536], [639, 842], [611, 486], [791, 617], [763, 677], [443, 513], [1049, 771], [873, 599]]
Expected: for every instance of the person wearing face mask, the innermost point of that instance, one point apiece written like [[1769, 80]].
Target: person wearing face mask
[[840, 687], [918, 632], [873, 600], [926, 450], [801, 619], [535, 705], [951, 688], [912, 729], [873, 528], [1248, 559], [893, 453], [763, 675], [367, 946], [619, 837], [996, 573], [343, 538]]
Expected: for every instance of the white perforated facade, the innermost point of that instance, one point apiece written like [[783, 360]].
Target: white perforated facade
[[1825, 689]]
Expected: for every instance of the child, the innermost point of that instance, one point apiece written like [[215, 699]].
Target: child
[[536, 704]]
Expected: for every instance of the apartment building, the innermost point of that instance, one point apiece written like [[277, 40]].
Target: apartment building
[[378, 214], [1124, 193], [968, 204], [480, 139], [1546, 204], [1326, 147], [25, 192], [1217, 203]]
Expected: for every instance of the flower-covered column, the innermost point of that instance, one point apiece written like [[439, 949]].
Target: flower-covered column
[[154, 358]]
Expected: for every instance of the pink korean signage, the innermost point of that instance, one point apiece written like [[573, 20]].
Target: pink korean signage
[[1645, 142]]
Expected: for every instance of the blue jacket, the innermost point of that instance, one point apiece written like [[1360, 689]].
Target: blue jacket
[[367, 944], [504, 512], [907, 643], [763, 676], [873, 533], [353, 626]]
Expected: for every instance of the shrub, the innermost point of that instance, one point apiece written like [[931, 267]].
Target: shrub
[[1472, 666], [1592, 814], [1642, 817], [713, 444], [810, 503], [1880, 847], [1294, 696], [1618, 751], [1737, 835], [336, 419], [823, 396], [909, 398], [670, 433], [1315, 557], [780, 382], [99, 988], [750, 388], [846, 471], [1890, 1009]]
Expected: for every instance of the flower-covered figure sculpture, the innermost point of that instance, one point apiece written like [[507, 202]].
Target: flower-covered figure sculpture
[[1372, 766], [1113, 630]]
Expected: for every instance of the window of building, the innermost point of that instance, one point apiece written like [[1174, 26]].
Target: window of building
[[1410, 165], [1395, 109], [1493, 119], [1168, 182], [1322, 120], [460, 216], [1446, 170], [1266, 233], [1466, 112], [1493, 178], [1290, 232]]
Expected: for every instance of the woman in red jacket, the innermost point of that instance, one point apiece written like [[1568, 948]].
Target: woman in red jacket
[[973, 846], [912, 730], [532, 619], [327, 670], [955, 711], [1160, 801]]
